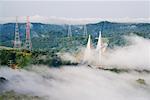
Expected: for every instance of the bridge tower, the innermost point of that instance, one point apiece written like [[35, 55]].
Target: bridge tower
[[17, 42], [85, 30], [69, 31], [28, 44]]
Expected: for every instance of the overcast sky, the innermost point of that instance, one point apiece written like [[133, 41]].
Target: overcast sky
[[76, 9]]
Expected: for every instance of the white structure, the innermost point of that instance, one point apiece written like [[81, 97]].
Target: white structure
[[99, 47], [87, 53]]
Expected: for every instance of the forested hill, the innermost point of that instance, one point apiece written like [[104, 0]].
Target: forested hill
[[48, 36]]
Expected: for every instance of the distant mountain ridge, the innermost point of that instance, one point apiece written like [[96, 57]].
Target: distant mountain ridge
[[46, 34]]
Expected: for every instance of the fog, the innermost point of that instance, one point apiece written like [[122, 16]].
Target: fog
[[84, 83], [76, 83], [134, 55]]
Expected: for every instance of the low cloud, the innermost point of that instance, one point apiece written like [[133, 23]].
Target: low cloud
[[84, 83], [76, 83], [135, 55], [72, 21]]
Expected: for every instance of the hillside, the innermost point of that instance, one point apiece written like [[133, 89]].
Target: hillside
[[50, 36]]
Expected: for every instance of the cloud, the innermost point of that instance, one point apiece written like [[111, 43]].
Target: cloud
[[63, 20], [76, 83], [135, 55]]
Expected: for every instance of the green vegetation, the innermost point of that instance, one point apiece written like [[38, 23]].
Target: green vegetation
[[141, 81], [23, 58], [13, 56], [115, 70], [11, 95], [50, 36], [123, 70], [49, 39]]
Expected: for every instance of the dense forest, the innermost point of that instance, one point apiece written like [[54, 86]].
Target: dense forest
[[49, 39], [22, 58], [50, 36]]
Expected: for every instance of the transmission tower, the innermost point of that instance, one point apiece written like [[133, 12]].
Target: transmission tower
[[84, 30], [17, 42], [28, 44], [69, 31]]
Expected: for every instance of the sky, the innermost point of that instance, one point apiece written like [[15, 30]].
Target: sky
[[83, 9]]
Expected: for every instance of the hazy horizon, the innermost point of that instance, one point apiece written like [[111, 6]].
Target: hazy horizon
[[83, 11]]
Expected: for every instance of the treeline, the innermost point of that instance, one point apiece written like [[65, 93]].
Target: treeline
[[23, 58], [47, 36]]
